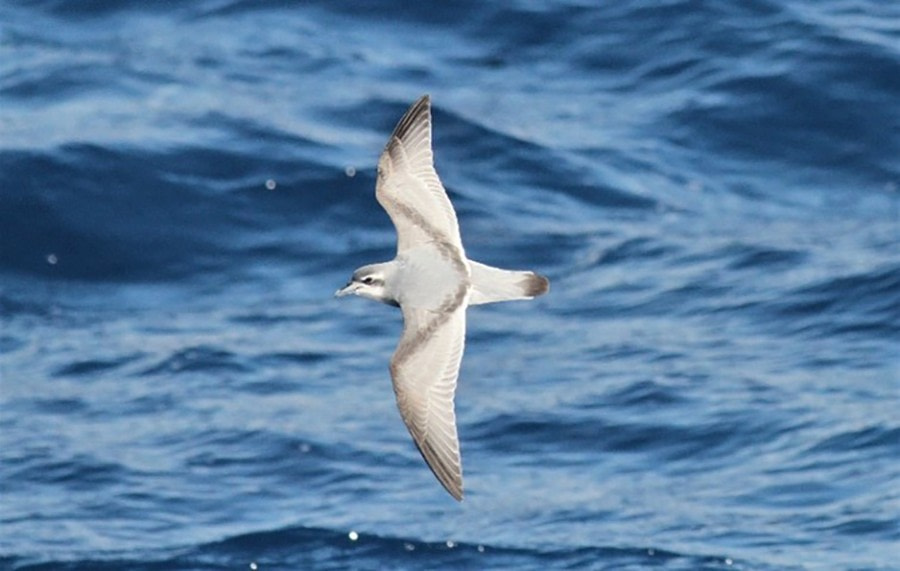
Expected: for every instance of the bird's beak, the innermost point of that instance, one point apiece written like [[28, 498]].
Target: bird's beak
[[346, 290]]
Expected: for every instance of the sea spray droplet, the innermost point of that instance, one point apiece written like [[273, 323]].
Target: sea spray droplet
[[353, 536], [51, 259], [270, 184], [350, 171]]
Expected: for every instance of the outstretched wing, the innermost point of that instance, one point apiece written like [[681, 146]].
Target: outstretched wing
[[424, 369], [408, 187]]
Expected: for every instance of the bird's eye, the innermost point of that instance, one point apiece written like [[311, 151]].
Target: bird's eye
[[368, 280]]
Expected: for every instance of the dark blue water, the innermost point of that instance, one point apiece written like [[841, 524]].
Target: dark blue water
[[713, 381]]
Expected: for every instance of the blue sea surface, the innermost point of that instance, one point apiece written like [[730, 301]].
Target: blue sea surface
[[713, 189]]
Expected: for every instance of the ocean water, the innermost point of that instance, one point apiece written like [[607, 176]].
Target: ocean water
[[713, 189]]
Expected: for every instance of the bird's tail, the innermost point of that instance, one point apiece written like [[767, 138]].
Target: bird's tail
[[491, 284]]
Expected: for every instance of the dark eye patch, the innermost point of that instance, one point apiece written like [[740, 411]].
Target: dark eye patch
[[368, 280]]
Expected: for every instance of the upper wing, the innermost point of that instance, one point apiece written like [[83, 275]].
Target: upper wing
[[424, 369], [408, 187]]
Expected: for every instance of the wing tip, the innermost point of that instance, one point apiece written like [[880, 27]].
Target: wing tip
[[448, 475], [420, 110], [454, 488]]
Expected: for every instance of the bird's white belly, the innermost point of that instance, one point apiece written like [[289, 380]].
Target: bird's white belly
[[428, 278]]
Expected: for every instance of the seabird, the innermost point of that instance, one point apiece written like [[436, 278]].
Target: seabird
[[432, 282]]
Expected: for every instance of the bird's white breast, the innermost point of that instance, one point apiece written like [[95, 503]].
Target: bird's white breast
[[429, 277]]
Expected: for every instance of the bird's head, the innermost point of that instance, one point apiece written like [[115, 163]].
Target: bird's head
[[368, 281]]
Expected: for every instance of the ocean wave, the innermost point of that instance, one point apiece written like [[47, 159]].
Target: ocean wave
[[711, 188]]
